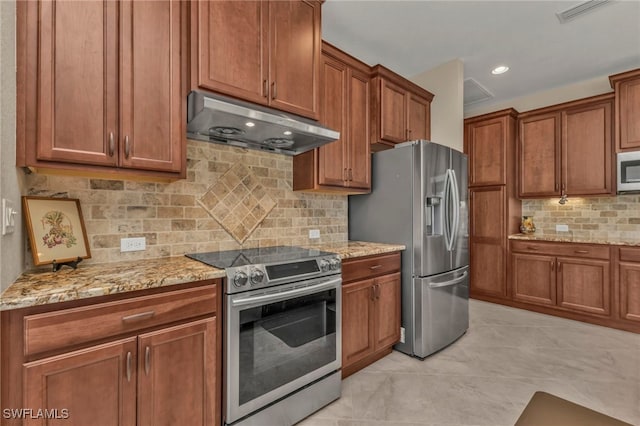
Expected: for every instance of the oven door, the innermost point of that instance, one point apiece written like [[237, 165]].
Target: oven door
[[280, 339]]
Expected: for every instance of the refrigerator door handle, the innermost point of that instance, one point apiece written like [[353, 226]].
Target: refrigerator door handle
[[450, 282], [448, 219], [455, 226]]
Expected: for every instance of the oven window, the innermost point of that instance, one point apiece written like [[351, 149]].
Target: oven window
[[283, 341], [630, 171]]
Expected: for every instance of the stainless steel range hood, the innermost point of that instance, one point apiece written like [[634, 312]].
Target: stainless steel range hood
[[219, 119]]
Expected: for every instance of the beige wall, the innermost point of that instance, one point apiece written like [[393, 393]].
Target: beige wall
[[446, 83], [172, 220], [579, 90], [594, 218], [11, 178]]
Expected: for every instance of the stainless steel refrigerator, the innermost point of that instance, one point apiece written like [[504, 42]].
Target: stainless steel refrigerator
[[419, 199]]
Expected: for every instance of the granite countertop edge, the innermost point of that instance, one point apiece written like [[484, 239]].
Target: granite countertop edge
[[35, 288], [575, 239]]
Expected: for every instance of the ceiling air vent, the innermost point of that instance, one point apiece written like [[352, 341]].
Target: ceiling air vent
[[474, 92], [579, 9]]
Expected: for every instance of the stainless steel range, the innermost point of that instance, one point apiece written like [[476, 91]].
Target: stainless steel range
[[282, 332]]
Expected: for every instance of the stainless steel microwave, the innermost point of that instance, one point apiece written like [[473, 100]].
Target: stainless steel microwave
[[629, 172]]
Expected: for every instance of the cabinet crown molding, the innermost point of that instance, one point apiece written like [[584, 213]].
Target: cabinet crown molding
[[627, 75]]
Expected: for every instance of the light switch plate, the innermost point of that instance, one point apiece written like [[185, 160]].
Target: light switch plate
[[314, 233], [133, 244], [562, 228], [8, 217]]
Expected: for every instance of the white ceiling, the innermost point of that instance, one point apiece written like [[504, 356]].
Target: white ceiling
[[411, 37]]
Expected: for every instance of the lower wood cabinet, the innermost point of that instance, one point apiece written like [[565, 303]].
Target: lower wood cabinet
[[533, 278], [370, 310], [165, 374], [628, 274]]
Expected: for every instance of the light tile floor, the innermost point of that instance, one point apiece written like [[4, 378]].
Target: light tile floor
[[488, 376]]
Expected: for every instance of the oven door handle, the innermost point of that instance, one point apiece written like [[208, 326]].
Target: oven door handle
[[287, 294]]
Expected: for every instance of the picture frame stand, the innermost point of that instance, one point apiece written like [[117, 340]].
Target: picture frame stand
[[72, 264]]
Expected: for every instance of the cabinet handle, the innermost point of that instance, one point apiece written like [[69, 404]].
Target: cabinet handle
[[532, 248], [377, 291], [556, 187], [147, 360], [128, 366], [265, 88], [559, 267], [112, 144], [350, 174], [138, 317], [406, 134], [274, 90], [127, 147], [372, 292], [345, 175], [552, 265], [374, 267], [581, 251]]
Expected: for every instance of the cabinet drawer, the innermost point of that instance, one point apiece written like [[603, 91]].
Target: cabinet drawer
[[561, 249], [353, 270], [628, 254], [53, 330]]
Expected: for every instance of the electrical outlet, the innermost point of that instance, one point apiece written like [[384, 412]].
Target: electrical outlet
[[133, 244], [314, 233], [8, 217], [562, 228], [401, 334]]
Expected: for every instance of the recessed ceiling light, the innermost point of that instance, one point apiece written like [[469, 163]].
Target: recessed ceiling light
[[500, 70], [287, 132], [249, 124]]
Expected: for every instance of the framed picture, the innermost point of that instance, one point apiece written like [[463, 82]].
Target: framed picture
[[56, 229]]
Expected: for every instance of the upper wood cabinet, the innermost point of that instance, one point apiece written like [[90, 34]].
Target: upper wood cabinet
[[627, 109], [567, 149], [101, 84], [488, 141], [343, 165], [401, 110], [266, 52]]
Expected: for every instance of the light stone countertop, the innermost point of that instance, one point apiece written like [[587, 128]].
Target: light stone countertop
[[570, 238], [40, 288]]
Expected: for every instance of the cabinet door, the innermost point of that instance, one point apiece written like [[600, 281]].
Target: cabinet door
[[332, 157], [232, 53], [419, 114], [387, 306], [393, 112], [152, 122], [539, 155], [587, 149], [487, 254], [177, 375], [96, 385], [629, 114], [294, 64], [533, 278], [486, 145], [358, 339], [630, 291], [584, 285], [77, 76], [359, 118]]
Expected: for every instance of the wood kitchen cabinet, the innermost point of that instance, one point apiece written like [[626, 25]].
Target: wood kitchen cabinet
[[145, 360], [401, 110], [344, 165], [628, 279], [494, 211], [627, 110], [266, 52], [570, 277], [567, 149], [370, 310], [119, 106]]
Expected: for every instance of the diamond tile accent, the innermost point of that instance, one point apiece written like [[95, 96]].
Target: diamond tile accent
[[238, 202]]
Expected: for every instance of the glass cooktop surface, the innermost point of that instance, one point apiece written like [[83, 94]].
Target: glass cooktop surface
[[257, 256]]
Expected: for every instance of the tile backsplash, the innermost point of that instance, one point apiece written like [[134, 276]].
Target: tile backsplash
[[596, 218], [171, 215]]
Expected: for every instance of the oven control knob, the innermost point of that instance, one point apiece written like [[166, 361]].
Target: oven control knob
[[257, 276], [335, 264], [240, 279], [324, 265]]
